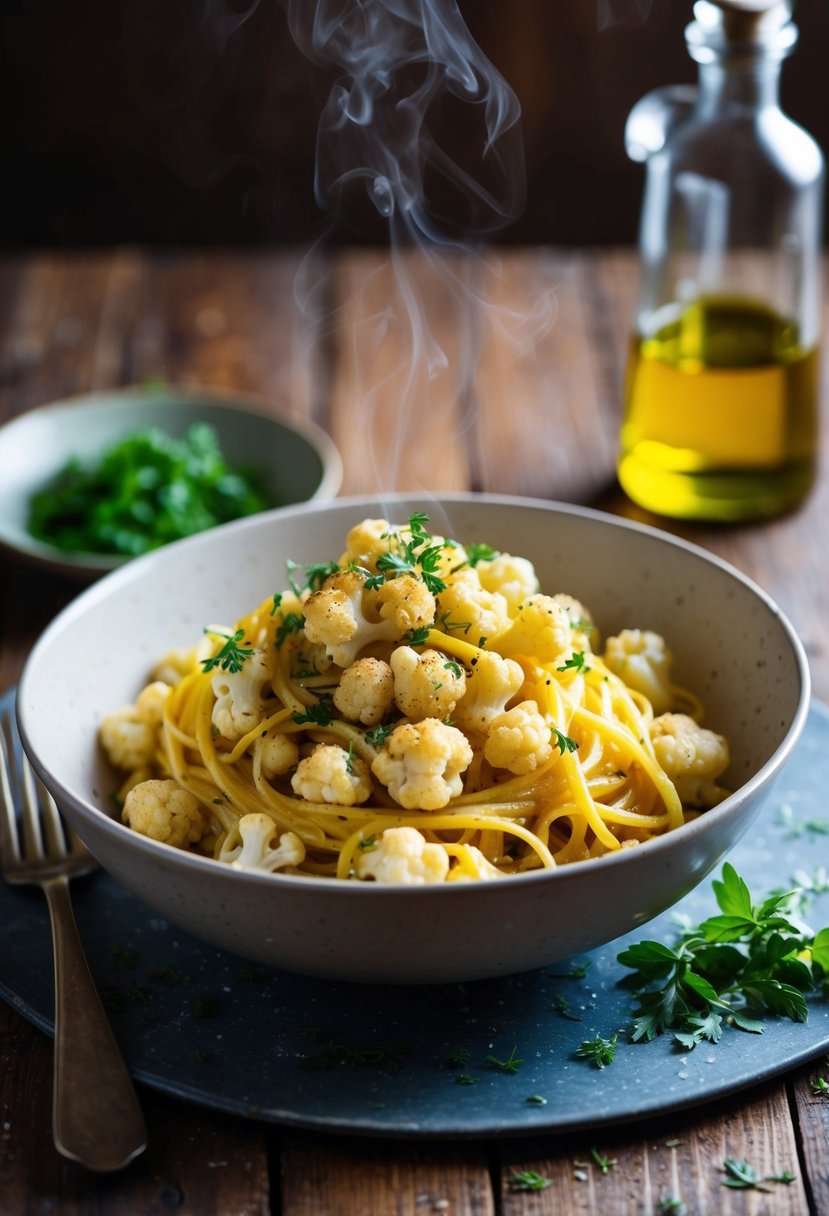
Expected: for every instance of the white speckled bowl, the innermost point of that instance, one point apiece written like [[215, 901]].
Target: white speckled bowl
[[732, 646], [295, 460]]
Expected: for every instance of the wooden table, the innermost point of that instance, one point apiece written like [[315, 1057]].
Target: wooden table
[[510, 382]]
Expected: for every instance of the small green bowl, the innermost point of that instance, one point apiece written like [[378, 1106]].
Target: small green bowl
[[295, 461]]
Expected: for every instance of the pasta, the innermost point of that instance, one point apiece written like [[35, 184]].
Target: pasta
[[416, 712]]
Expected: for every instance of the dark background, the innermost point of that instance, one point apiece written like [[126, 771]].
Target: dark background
[[174, 121]]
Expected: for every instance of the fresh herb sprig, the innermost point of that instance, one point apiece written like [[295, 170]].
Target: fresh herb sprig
[[746, 961], [231, 657], [599, 1051], [418, 556]]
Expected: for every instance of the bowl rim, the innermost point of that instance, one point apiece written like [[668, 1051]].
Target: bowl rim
[[209, 397], [306, 883]]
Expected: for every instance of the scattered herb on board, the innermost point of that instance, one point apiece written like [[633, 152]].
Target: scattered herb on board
[[749, 960], [529, 1180], [387, 1056], [142, 492], [599, 1051], [510, 1065], [740, 1176]]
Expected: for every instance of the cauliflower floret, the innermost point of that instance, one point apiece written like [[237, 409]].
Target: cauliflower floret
[[540, 630], [406, 601], [581, 622], [421, 764], [239, 701], [365, 542], [467, 608], [150, 702], [513, 577], [490, 683], [128, 739], [641, 658], [331, 774], [250, 847], [692, 756], [403, 856], [335, 616], [519, 739], [277, 753], [472, 866], [426, 685], [164, 811], [366, 691], [177, 664]]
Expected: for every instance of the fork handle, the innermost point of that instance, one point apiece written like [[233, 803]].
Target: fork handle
[[96, 1117]]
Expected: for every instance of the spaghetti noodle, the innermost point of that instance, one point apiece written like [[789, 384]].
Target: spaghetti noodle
[[416, 712]]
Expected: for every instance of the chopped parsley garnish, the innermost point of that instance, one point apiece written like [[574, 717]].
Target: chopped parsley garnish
[[291, 622], [321, 714], [563, 742], [465, 1078], [479, 551], [418, 637], [741, 1176], [315, 574], [374, 1055], [455, 668], [378, 735], [604, 1163], [144, 491], [562, 1006], [231, 657], [528, 1180], [599, 1051], [418, 556], [576, 662], [511, 1064]]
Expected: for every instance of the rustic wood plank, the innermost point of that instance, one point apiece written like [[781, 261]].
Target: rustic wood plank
[[679, 1158], [547, 415], [811, 1110], [198, 1163], [399, 397], [356, 1178], [228, 320]]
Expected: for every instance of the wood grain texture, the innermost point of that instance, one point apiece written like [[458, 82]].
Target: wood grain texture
[[522, 394], [339, 1178]]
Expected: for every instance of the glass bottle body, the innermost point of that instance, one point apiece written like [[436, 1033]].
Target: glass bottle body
[[721, 410]]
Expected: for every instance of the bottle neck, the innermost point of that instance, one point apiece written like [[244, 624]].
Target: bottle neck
[[750, 84]]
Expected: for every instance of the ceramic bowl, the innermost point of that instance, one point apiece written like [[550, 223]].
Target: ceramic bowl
[[295, 460], [732, 645]]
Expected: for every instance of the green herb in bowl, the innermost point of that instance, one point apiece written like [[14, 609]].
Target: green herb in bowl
[[143, 492]]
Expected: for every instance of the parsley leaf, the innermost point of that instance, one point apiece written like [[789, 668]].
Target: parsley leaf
[[528, 1180], [232, 656], [599, 1051], [563, 742], [748, 960]]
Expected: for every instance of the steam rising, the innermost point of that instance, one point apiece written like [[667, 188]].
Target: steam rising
[[397, 59], [399, 64]]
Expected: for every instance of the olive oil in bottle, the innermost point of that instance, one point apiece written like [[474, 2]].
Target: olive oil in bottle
[[721, 413], [721, 410]]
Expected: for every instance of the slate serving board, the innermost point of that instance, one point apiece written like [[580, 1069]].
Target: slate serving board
[[412, 1062]]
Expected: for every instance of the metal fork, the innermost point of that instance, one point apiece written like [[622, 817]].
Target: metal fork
[[96, 1117]]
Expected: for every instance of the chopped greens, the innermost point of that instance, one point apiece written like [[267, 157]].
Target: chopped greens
[[599, 1051], [231, 657], [528, 1180], [510, 1065], [144, 491]]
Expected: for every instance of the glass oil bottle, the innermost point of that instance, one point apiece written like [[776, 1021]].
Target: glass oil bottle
[[721, 410]]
